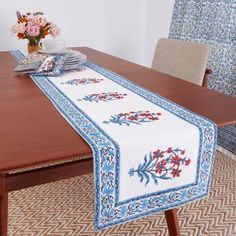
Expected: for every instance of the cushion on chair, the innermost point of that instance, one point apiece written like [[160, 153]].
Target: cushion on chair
[[181, 59]]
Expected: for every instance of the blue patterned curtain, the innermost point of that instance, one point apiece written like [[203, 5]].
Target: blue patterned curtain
[[212, 22]]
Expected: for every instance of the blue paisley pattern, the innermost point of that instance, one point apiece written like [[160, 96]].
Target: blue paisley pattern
[[212, 22]]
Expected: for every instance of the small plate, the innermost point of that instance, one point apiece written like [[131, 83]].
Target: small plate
[[64, 51]]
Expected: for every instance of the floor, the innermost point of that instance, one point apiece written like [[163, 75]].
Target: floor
[[66, 208]]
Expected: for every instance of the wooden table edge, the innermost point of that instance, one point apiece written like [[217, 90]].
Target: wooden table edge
[[12, 182]]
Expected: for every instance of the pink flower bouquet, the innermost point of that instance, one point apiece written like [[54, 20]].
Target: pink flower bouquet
[[34, 27]]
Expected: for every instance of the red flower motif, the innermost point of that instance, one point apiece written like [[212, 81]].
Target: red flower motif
[[132, 117], [165, 164], [176, 160], [183, 152], [161, 166], [154, 118], [175, 172], [169, 150], [158, 154], [187, 162]]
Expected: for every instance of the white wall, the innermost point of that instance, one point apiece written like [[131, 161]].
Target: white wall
[[158, 18], [126, 29]]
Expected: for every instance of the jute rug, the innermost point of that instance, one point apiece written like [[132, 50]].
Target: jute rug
[[66, 208]]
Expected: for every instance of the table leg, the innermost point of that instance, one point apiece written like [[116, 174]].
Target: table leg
[[3, 207], [172, 222]]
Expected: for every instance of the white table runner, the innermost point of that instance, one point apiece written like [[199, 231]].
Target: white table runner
[[150, 154]]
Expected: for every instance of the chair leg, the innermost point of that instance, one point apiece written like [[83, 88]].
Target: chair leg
[[172, 222], [3, 207]]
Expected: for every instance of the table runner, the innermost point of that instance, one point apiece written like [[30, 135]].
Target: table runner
[[150, 154]]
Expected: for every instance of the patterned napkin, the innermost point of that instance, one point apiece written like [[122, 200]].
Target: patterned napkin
[[50, 65]]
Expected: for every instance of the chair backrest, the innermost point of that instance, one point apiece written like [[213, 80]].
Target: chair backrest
[[184, 60]]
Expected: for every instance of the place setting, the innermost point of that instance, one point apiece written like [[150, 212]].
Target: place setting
[[52, 59]]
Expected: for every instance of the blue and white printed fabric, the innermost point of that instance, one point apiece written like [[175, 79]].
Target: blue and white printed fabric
[[150, 154], [212, 22]]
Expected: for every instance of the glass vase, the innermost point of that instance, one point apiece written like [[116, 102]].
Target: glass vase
[[33, 48]]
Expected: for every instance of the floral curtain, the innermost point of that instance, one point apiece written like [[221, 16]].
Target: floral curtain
[[212, 22]]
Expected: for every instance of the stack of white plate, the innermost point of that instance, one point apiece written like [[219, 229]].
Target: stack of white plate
[[73, 59]]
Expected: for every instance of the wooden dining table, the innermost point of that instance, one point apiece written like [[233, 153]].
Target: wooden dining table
[[38, 146]]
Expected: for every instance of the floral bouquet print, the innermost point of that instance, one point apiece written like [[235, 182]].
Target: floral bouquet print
[[34, 27]]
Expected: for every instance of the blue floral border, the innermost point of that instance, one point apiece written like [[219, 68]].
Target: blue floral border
[[108, 210]]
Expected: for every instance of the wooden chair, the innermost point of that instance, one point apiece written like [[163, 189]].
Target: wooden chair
[[181, 59]]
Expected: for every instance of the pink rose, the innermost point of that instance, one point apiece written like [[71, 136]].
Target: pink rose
[[14, 29], [41, 21], [55, 31], [21, 28], [18, 28], [33, 29], [33, 18]]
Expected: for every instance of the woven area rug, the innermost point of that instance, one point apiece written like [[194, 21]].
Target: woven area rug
[[66, 208]]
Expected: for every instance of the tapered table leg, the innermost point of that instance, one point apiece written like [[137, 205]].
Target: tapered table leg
[[172, 222], [3, 207]]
